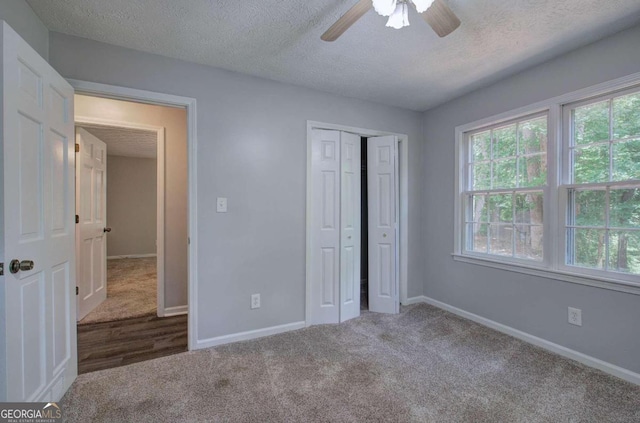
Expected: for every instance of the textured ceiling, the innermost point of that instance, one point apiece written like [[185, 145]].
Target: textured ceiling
[[126, 142], [280, 40]]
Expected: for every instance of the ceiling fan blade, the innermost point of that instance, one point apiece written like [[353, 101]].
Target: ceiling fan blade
[[441, 18], [348, 19]]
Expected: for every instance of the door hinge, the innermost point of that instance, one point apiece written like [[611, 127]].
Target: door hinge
[[77, 290], [77, 219], [77, 148], [1, 269]]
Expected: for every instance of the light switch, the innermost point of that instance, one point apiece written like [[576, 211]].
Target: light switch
[[221, 205]]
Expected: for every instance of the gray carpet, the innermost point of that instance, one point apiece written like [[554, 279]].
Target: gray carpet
[[424, 365], [132, 286]]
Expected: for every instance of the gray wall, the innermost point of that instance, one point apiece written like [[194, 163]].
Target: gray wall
[[611, 320], [131, 205], [19, 15], [252, 150]]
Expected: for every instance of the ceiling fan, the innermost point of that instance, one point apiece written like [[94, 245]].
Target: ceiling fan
[[437, 14]]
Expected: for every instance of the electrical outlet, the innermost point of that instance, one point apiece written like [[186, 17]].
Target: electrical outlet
[[575, 316], [255, 301]]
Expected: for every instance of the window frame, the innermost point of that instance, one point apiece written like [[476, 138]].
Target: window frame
[[467, 184], [566, 185], [553, 265]]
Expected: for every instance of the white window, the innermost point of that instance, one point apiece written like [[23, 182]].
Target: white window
[[553, 189], [504, 197], [602, 183]]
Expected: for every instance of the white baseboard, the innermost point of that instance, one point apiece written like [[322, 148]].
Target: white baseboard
[[587, 360], [245, 336], [131, 256], [175, 311], [415, 300]]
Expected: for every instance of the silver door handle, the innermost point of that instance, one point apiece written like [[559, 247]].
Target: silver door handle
[[106, 230], [16, 265]]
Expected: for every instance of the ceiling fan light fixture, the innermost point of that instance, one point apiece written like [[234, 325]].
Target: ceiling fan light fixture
[[400, 17], [422, 5], [385, 7]]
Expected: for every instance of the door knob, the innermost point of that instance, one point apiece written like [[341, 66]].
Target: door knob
[[106, 230], [16, 265], [384, 235]]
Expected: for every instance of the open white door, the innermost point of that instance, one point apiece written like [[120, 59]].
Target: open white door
[[383, 239], [325, 228], [38, 286], [91, 240], [350, 227]]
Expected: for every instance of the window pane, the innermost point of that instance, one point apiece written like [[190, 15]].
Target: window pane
[[591, 164], [591, 123], [529, 208], [589, 208], [481, 176], [532, 171], [626, 116], [589, 248], [504, 141], [501, 241], [500, 208], [624, 208], [533, 136], [477, 234], [529, 242], [477, 209], [481, 146], [626, 160], [624, 251], [504, 173]]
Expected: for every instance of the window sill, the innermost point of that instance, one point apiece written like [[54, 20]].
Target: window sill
[[572, 277]]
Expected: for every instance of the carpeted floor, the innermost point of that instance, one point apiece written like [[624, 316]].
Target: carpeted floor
[[132, 287], [423, 365]]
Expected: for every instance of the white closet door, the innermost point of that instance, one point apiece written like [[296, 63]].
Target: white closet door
[[325, 228], [381, 191], [350, 227]]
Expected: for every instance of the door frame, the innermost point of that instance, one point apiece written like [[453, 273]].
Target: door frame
[[86, 121], [403, 173], [189, 103]]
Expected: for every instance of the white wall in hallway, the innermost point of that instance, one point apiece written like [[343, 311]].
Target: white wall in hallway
[[131, 205]]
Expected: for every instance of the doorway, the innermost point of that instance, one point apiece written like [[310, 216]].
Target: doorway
[[118, 167], [364, 228], [340, 205], [132, 244]]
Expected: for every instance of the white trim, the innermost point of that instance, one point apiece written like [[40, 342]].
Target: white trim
[[404, 203], [150, 97], [175, 311], [553, 266], [251, 334], [415, 300], [130, 256], [585, 359], [160, 191]]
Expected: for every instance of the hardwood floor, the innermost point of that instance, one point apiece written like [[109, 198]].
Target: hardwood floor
[[118, 343]]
